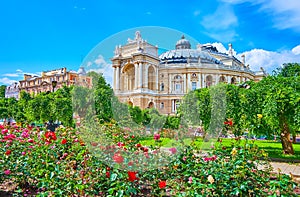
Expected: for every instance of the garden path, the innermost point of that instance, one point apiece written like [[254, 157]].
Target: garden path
[[287, 168]]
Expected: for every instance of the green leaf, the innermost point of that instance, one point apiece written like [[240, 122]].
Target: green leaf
[[113, 177]]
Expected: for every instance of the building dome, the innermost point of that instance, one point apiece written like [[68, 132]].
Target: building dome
[[183, 43], [184, 54], [187, 56], [81, 71]]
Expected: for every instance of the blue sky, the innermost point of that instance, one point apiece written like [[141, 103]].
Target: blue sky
[[38, 35]]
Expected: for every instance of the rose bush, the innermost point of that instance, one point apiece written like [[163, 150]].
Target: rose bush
[[62, 164]]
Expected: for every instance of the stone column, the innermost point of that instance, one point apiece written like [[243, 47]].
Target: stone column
[[136, 67], [118, 78], [228, 79], [170, 84], [141, 75], [156, 85], [172, 105], [217, 79], [184, 87], [203, 82], [199, 81], [189, 81], [146, 76], [114, 86]]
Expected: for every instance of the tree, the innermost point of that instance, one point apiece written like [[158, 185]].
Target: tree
[[61, 106], [288, 70], [22, 110], [2, 91], [195, 110], [136, 114], [103, 100], [291, 70], [280, 101]]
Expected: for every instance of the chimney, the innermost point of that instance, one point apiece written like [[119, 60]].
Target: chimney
[[26, 76]]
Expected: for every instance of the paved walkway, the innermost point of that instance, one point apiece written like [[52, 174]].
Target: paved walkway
[[287, 168]]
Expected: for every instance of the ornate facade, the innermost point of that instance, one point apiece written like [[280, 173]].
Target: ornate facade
[[52, 80], [146, 79]]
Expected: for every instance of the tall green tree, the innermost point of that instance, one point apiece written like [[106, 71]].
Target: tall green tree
[[2, 91], [103, 100], [61, 106], [279, 101], [288, 70]]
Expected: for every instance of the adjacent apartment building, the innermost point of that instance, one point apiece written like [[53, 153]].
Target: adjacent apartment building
[[49, 81]]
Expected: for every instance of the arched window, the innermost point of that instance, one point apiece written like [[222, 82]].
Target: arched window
[[151, 105], [130, 103], [209, 80], [177, 77], [128, 77], [222, 79], [233, 80]]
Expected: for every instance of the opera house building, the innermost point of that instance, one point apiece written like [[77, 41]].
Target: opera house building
[[144, 78]]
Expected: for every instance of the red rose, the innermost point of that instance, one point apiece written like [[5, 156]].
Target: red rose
[[107, 174], [118, 158], [50, 136], [162, 184], [8, 152], [64, 141], [138, 145], [132, 176]]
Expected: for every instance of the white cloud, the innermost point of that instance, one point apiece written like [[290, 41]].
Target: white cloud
[[6, 81], [222, 20], [285, 13], [296, 50], [19, 71], [100, 65], [11, 75], [88, 64], [148, 13], [101, 61], [269, 60]]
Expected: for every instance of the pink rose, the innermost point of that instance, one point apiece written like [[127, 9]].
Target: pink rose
[[7, 172]]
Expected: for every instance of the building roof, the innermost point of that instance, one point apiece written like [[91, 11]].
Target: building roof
[[186, 56]]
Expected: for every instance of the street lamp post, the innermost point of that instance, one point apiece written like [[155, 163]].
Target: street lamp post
[[54, 83]]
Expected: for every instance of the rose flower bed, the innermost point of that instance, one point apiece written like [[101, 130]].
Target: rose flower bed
[[61, 164]]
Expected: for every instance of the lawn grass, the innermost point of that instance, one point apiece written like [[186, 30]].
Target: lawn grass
[[273, 148]]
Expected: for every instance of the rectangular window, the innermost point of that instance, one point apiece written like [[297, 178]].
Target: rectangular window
[[162, 105], [177, 86], [177, 104], [194, 85]]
